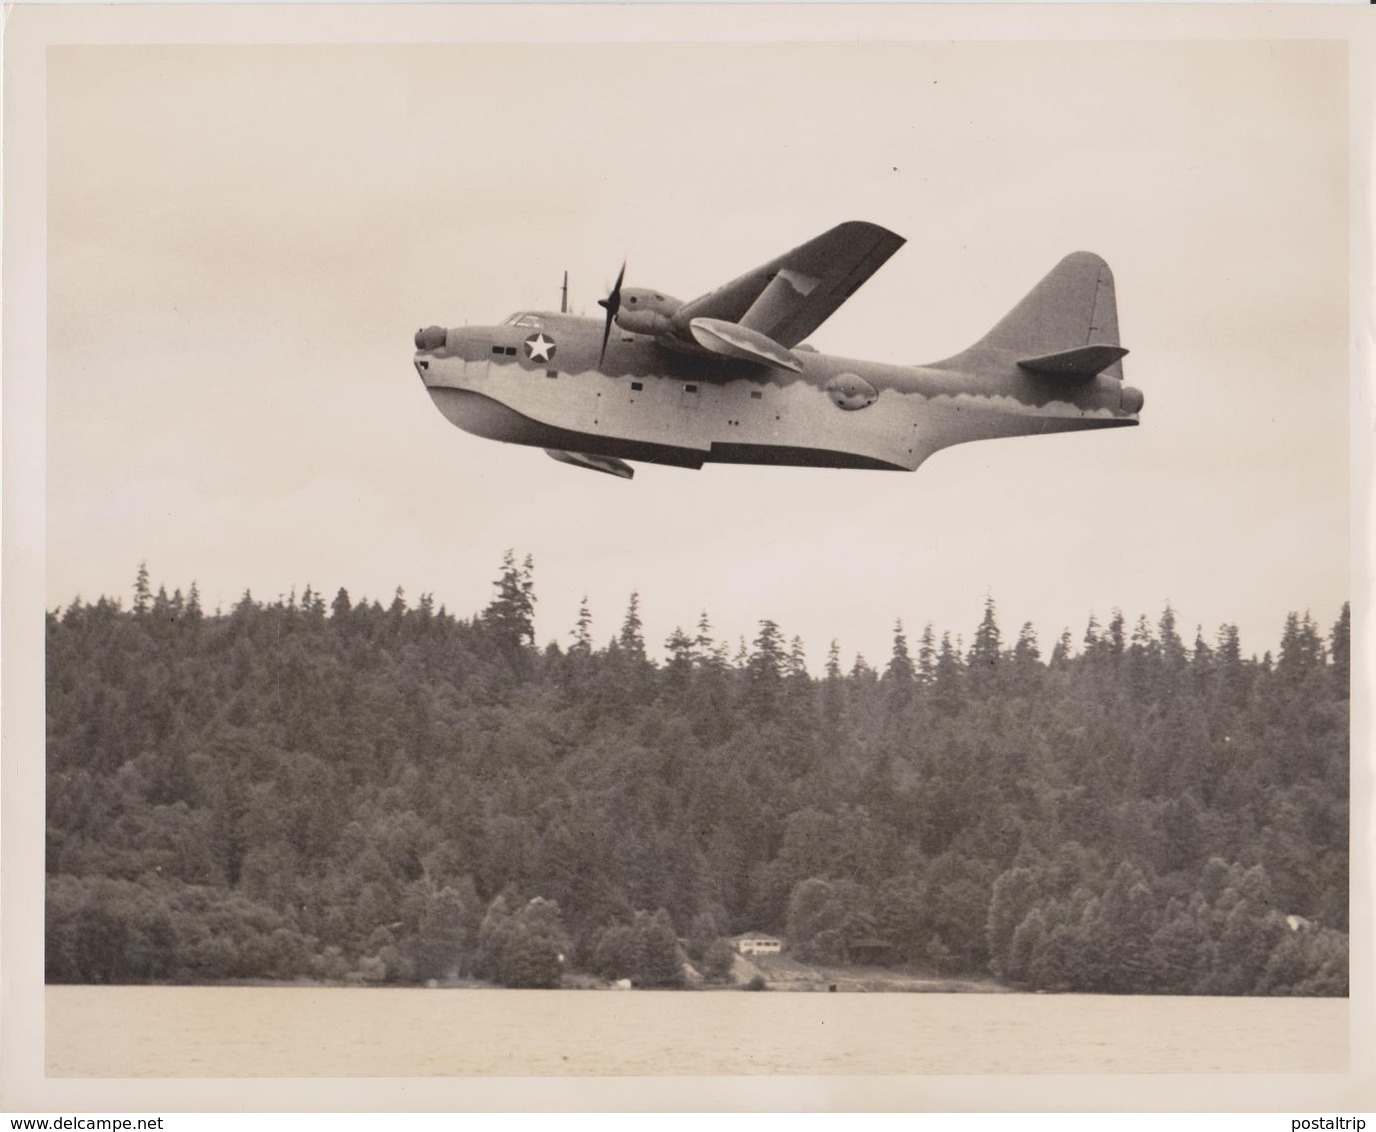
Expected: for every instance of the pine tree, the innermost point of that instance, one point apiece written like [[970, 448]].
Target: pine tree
[[900, 667], [1233, 680], [1142, 657], [679, 646], [1172, 647], [949, 677], [833, 670], [926, 656], [245, 608], [984, 653], [512, 612], [833, 686], [1301, 650], [1229, 646], [1143, 641], [899, 676], [765, 670], [528, 592], [1201, 654], [1060, 655], [143, 596], [798, 678], [1340, 649], [1094, 637], [582, 631], [426, 608], [1027, 661], [194, 613], [631, 639], [704, 648], [1116, 638]]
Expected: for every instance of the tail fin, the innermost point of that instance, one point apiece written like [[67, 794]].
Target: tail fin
[[1074, 306]]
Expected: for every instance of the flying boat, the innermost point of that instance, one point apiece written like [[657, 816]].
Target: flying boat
[[729, 378]]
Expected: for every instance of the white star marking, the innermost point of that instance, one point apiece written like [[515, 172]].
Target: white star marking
[[539, 348]]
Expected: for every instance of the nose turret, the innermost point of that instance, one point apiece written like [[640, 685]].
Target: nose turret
[[431, 338]]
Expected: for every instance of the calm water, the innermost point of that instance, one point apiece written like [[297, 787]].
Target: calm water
[[306, 1032]]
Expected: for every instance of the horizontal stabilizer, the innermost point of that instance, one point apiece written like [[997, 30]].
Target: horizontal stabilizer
[[609, 464], [1082, 361], [731, 340]]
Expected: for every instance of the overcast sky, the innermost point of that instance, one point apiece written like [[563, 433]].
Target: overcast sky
[[242, 241]]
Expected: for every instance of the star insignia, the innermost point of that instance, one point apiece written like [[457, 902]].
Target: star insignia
[[539, 348]]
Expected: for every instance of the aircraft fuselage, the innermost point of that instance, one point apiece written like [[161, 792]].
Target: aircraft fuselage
[[537, 380]]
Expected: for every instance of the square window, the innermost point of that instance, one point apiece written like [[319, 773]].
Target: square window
[[511, 350], [496, 349], [637, 385], [690, 388], [551, 373], [755, 395]]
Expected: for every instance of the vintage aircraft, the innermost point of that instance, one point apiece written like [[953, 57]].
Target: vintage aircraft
[[727, 378]]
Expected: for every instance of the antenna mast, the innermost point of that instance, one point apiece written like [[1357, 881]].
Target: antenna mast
[[564, 295]]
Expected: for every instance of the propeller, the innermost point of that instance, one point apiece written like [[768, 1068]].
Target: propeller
[[611, 304]]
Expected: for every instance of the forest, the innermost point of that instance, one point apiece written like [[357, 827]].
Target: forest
[[324, 789]]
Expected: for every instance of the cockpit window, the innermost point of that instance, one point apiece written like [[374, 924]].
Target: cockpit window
[[519, 319]]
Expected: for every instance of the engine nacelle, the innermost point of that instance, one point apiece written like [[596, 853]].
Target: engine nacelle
[[647, 312]]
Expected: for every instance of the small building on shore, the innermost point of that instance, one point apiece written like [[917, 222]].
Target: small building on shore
[[757, 943]]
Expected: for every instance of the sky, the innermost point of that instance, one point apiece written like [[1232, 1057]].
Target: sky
[[242, 240]]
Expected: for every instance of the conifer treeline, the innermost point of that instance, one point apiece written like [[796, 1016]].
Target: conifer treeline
[[341, 790]]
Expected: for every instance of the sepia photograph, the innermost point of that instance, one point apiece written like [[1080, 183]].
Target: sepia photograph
[[816, 547]]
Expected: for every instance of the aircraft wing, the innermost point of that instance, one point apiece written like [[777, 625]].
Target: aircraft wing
[[789, 297]]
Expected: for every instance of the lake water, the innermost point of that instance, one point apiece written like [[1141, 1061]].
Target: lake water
[[346, 1032]]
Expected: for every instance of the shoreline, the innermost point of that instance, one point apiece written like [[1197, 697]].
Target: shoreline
[[842, 980]]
